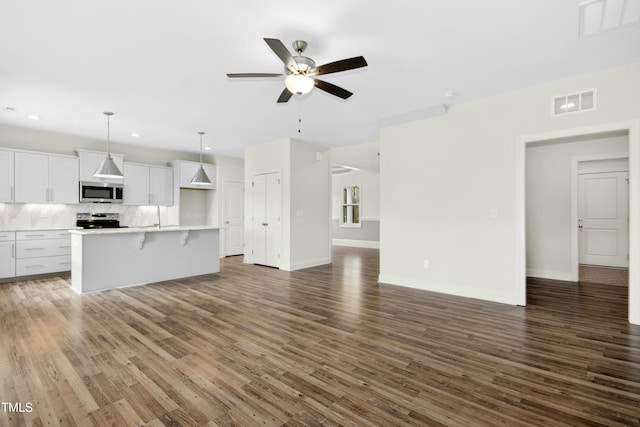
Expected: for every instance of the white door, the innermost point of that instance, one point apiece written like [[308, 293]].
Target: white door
[[258, 201], [267, 208], [273, 211], [233, 218], [603, 219]]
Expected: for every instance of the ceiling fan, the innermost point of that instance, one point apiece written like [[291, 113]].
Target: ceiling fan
[[301, 71]]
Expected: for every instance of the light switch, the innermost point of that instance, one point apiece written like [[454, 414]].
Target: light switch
[[494, 213]]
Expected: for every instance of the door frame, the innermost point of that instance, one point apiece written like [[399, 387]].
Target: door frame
[[633, 129], [575, 236], [224, 213]]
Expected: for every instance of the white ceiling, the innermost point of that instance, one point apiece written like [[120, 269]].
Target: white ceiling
[[160, 65]]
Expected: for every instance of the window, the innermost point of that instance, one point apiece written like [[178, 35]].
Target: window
[[350, 206]]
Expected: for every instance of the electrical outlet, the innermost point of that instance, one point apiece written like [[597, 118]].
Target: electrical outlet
[[426, 263]]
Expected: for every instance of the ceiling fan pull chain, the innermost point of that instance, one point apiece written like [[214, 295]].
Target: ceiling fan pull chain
[[299, 112]]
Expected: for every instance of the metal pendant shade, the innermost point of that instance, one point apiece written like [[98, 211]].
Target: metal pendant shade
[[200, 178], [108, 168]]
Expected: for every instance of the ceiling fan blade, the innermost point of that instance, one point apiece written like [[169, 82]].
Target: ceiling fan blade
[[285, 96], [332, 89], [233, 75], [283, 53], [337, 66]]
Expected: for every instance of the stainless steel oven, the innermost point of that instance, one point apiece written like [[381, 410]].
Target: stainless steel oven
[[100, 192]]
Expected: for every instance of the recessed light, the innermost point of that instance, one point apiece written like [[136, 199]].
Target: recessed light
[[33, 117], [207, 148], [135, 135]]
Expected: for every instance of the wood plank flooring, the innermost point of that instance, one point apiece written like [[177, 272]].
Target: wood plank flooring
[[255, 346]]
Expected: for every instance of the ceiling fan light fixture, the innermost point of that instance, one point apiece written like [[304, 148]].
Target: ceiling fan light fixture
[[299, 84]]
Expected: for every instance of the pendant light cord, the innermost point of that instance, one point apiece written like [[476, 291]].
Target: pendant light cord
[[108, 114], [201, 133]]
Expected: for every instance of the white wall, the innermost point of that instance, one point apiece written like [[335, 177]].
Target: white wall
[[362, 156], [443, 178], [260, 159], [51, 142], [310, 206], [548, 199], [34, 215], [306, 199]]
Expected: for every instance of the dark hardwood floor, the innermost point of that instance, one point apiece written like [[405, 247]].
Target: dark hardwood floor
[[323, 346]]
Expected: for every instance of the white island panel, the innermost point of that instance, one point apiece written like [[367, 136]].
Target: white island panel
[[109, 259]]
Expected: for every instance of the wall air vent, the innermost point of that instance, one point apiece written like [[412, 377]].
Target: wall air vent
[[573, 102]]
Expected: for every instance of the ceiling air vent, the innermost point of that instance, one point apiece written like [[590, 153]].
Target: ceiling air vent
[[596, 16], [573, 102]]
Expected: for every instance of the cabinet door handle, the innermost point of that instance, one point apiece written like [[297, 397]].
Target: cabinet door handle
[[13, 250], [65, 247], [13, 197], [34, 266], [34, 249], [51, 195], [34, 235]]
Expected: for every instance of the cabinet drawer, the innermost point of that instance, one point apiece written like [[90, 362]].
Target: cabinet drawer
[[42, 248], [42, 234], [7, 236], [52, 264]]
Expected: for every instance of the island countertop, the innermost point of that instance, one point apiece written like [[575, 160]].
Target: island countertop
[[145, 229]]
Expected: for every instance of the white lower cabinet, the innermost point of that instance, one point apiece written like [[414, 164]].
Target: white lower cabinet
[[7, 254], [41, 252]]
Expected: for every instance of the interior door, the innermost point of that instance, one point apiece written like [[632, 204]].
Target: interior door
[[603, 219], [273, 210], [234, 221], [258, 201], [267, 209]]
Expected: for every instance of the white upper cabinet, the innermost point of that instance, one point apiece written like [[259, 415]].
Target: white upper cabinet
[[147, 185], [91, 160], [136, 184], [186, 170], [6, 176], [63, 179], [44, 178], [161, 185], [31, 178]]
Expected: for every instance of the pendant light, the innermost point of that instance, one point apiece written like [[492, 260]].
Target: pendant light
[[201, 178], [108, 168]]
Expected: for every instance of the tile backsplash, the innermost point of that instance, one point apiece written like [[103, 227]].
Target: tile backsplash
[[50, 215]]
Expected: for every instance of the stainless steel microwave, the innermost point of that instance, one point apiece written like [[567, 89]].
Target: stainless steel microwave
[[100, 192]]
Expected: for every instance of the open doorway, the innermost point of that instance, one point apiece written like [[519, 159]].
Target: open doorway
[[355, 200], [554, 253]]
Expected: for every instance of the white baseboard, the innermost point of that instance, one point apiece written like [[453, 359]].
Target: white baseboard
[[356, 243], [307, 264], [449, 289], [547, 274]]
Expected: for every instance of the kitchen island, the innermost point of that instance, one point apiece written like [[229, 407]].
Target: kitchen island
[[118, 257]]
